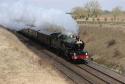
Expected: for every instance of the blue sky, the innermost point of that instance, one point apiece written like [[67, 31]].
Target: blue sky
[[67, 5]]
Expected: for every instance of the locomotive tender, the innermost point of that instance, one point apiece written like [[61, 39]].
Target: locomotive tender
[[67, 44]]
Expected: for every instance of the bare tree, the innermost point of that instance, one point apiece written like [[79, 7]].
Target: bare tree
[[93, 8], [79, 12], [116, 12]]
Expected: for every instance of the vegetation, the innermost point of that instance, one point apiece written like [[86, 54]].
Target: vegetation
[[92, 11], [79, 12], [92, 8], [116, 12], [105, 44]]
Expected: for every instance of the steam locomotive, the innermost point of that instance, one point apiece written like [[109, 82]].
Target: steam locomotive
[[67, 44]]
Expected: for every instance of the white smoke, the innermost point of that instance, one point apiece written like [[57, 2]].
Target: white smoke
[[18, 15]]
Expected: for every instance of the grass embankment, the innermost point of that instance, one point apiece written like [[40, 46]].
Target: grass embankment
[[106, 44], [20, 65]]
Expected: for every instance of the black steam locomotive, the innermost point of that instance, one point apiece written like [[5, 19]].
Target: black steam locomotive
[[68, 44]]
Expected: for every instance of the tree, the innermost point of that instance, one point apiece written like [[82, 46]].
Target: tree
[[116, 12], [93, 8], [79, 12]]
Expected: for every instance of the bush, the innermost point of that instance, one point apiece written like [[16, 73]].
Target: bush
[[111, 43]]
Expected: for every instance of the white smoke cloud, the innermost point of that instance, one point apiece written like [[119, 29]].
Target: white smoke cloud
[[19, 14]]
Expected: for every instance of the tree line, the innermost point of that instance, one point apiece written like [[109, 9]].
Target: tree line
[[93, 9]]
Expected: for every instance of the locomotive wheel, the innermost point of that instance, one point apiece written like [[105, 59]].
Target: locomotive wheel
[[66, 54], [61, 53], [68, 57]]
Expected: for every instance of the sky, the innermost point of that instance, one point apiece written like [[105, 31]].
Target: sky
[[67, 5]]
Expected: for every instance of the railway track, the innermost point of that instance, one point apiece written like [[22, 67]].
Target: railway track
[[90, 73], [102, 74]]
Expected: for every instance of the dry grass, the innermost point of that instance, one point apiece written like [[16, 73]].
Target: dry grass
[[19, 65], [106, 44]]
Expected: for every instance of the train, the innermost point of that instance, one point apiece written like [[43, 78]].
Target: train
[[69, 45]]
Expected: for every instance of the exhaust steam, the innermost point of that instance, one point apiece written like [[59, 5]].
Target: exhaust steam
[[18, 15]]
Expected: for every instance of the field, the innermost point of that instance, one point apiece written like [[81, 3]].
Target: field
[[105, 44], [20, 65]]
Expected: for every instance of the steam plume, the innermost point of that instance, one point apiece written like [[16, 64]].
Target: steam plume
[[18, 15]]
